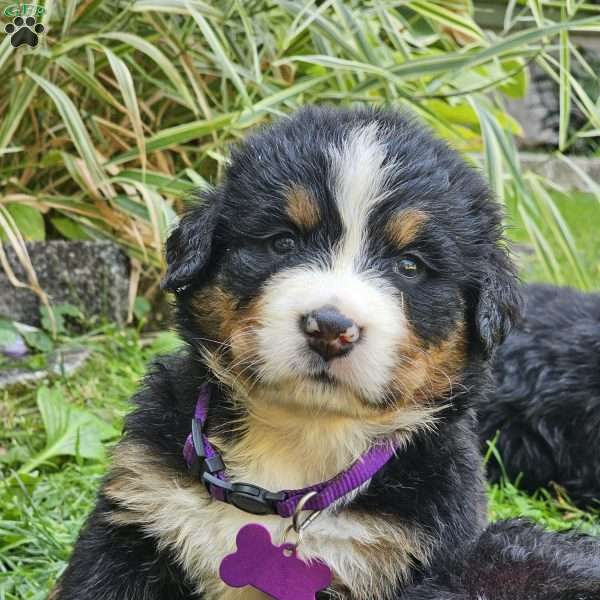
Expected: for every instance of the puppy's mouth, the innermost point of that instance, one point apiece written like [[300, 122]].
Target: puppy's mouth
[[318, 369], [324, 377]]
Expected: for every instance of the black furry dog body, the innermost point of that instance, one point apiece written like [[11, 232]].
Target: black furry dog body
[[545, 402], [344, 285]]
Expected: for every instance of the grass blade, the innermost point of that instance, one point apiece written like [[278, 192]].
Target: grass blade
[[220, 54], [72, 120], [565, 90], [127, 88]]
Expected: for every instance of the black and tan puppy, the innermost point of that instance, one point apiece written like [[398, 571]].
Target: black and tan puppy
[[545, 402], [343, 287]]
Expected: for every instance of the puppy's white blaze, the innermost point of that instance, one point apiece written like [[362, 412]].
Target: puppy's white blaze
[[359, 180], [369, 301]]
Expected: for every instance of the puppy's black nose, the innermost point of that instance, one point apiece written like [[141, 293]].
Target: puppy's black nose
[[329, 332]]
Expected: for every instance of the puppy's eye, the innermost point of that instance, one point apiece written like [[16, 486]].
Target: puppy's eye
[[283, 244], [408, 266]]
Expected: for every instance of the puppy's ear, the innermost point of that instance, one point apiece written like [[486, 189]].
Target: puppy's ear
[[499, 302], [190, 244]]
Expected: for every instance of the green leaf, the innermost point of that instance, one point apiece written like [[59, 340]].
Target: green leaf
[[60, 311], [29, 221], [451, 19], [463, 60], [38, 340], [141, 307], [70, 431], [88, 81], [6, 49], [180, 134], [154, 53], [177, 6], [72, 120], [516, 86], [20, 99], [8, 337], [69, 228], [165, 343], [565, 90], [163, 183], [125, 81], [220, 55]]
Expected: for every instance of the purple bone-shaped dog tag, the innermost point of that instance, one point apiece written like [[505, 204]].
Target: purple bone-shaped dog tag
[[274, 570]]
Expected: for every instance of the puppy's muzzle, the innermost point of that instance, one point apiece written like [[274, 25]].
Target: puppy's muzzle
[[330, 333]]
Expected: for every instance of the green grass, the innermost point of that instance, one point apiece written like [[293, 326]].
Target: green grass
[[126, 106], [42, 511], [582, 214]]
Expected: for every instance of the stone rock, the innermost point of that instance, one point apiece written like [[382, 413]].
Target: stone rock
[[537, 112], [560, 172], [61, 363], [93, 276]]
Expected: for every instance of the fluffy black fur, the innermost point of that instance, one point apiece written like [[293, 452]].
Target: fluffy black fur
[[434, 482], [514, 560], [545, 403]]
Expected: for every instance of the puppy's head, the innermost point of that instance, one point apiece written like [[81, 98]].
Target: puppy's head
[[348, 258]]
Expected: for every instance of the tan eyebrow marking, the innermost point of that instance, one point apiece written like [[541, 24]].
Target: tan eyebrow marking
[[302, 207], [405, 225]]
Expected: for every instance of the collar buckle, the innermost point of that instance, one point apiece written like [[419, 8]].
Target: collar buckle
[[245, 496]]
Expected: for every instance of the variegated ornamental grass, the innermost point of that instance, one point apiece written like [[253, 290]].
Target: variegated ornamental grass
[[125, 107]]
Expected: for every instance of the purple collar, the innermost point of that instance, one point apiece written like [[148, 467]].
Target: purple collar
[[203, 460]]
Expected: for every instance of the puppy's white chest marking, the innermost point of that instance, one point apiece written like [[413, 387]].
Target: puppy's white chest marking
[[368, 554]]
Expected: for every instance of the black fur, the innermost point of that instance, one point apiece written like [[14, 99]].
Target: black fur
[[545, 404], [435, 481], [518, 560]]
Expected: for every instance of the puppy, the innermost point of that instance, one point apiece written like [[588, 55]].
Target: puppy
[[545, 404], [518, 560], [340, 293]]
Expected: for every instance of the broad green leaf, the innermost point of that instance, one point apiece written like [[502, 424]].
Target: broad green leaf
[[165, 343], [69, 228], [70, 431], [517, 85], [29, 221], [59, 311], [8, 334], [38, 340], [141, 307]]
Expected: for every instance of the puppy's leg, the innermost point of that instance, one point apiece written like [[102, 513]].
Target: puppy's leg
[[118, 562]]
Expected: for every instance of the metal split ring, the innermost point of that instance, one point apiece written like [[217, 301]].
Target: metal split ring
[[299, 526]]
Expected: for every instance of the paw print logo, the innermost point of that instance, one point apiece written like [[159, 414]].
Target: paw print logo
[[24, 31]]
